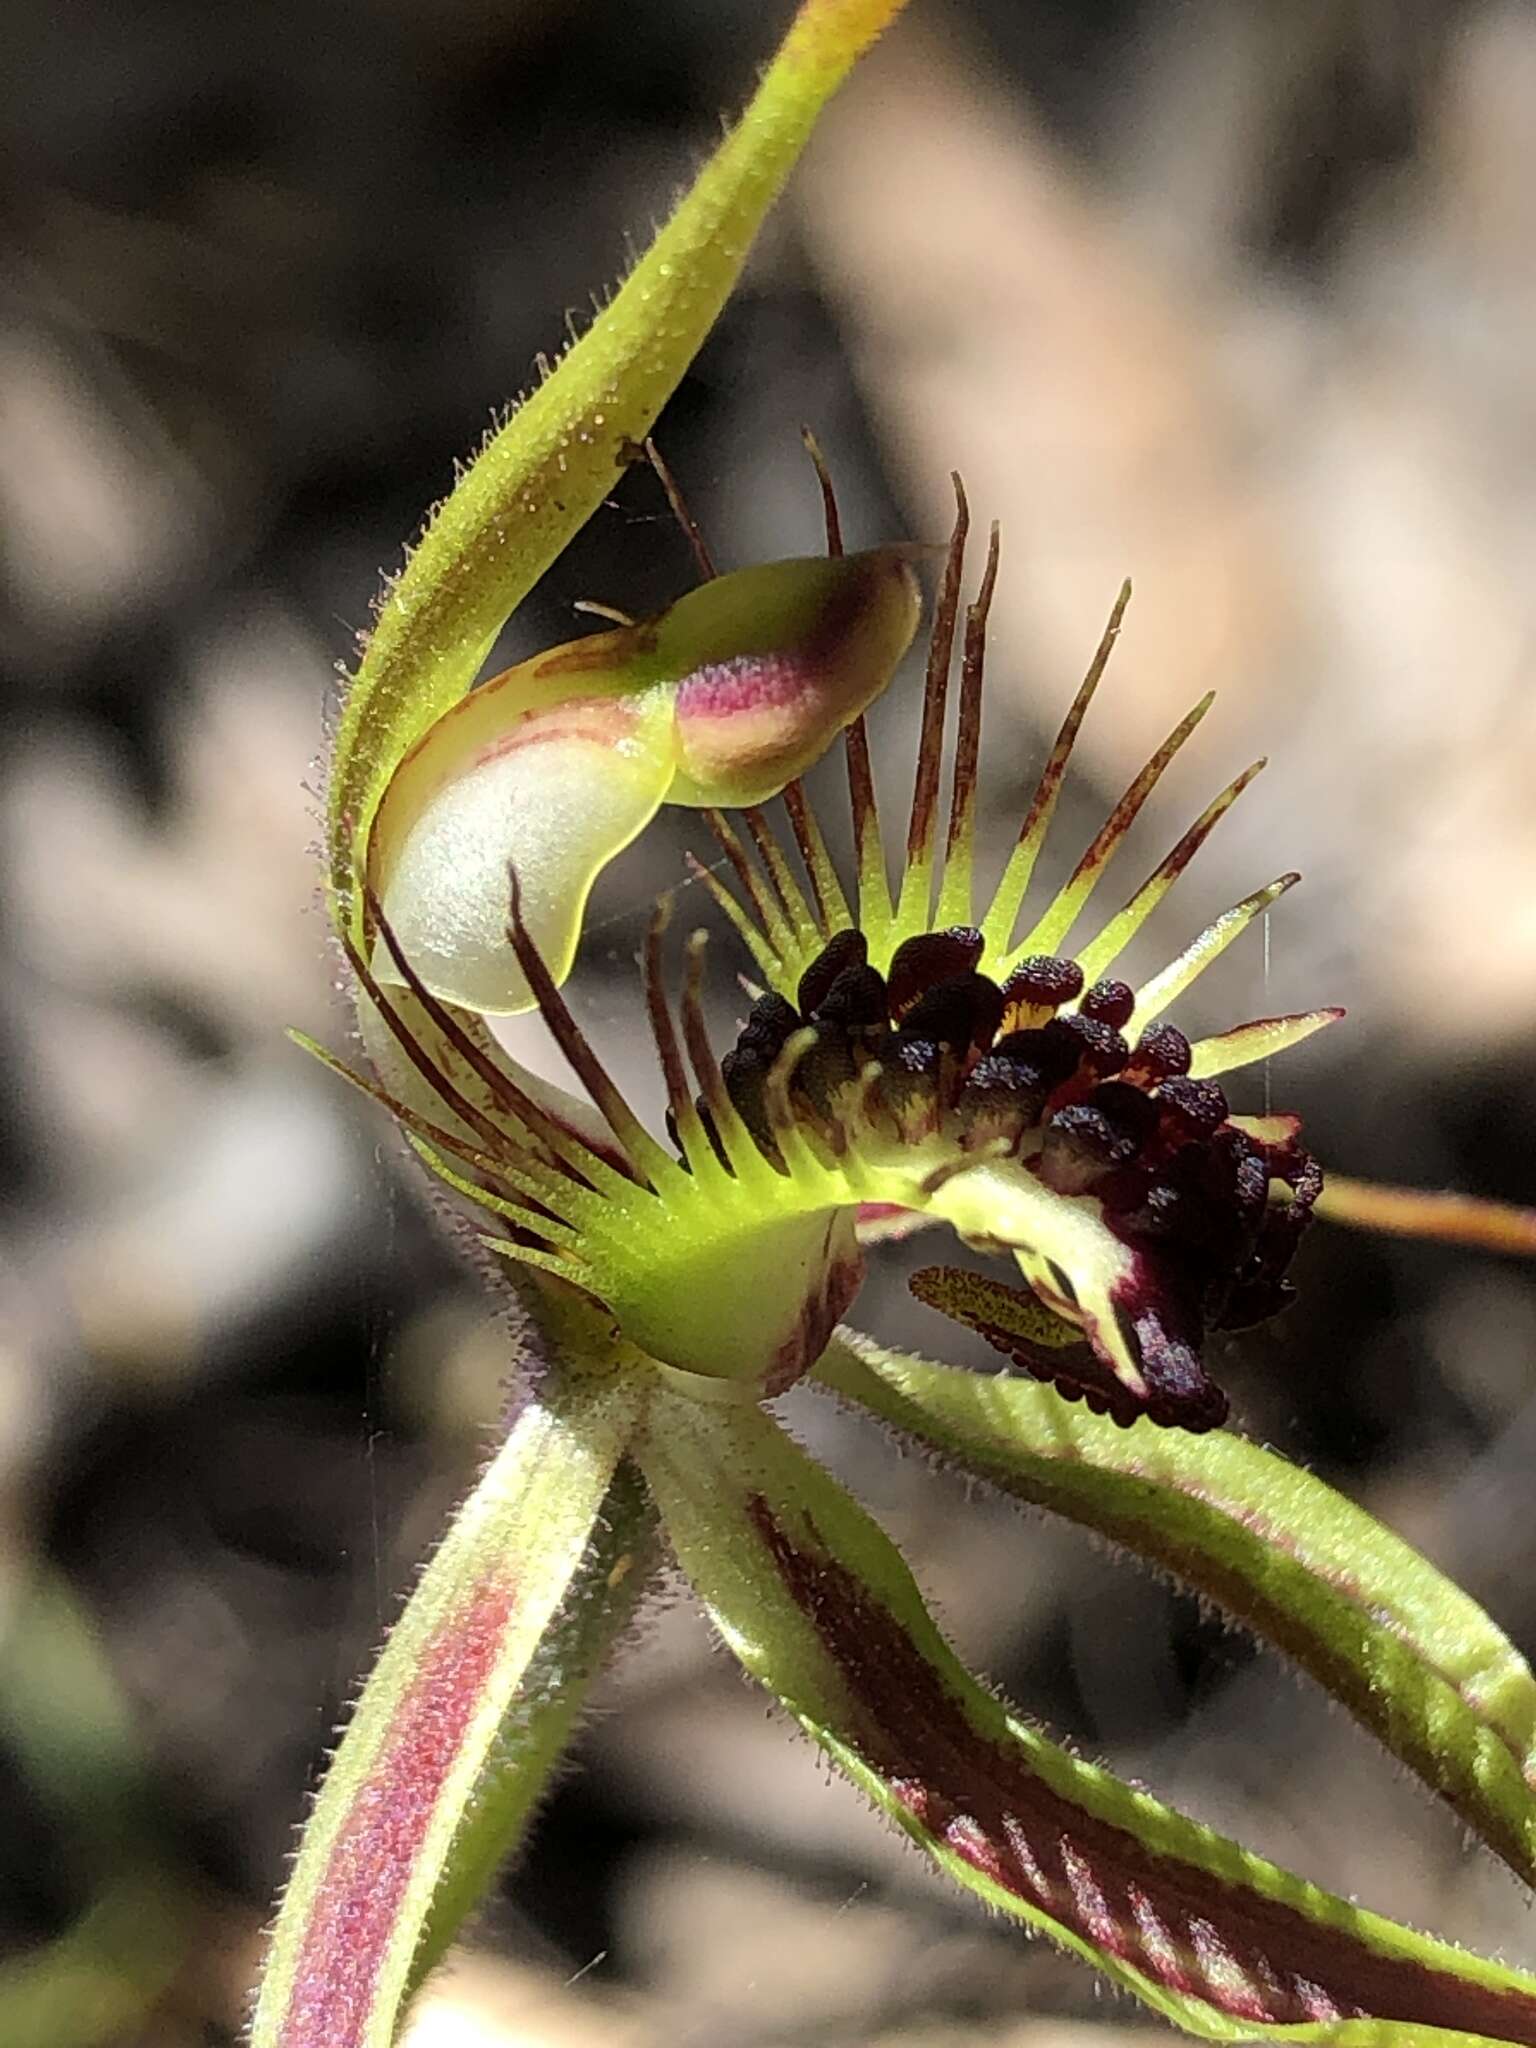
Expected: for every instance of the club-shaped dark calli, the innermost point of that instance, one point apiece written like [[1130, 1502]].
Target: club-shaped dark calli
[[914, 1060], [680, 1283], [1058, 1114]]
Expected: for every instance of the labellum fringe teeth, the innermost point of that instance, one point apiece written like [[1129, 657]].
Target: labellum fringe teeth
[[1013, 1043], [889, 1059], [787, 926], [935, 1050]]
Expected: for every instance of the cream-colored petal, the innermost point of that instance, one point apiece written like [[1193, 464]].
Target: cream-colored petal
[[554, 791]]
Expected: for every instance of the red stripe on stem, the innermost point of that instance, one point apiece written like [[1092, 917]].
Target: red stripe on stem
[[377, 1848]]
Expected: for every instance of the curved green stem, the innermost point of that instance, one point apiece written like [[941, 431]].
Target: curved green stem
[[538, 480]]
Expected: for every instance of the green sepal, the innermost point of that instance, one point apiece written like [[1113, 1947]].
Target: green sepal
[[538, 480], [1441, 1215], [818, 1605], [1400, 1646], [457, 1704]]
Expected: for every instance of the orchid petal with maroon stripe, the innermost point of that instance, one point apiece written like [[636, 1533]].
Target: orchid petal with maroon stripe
[[818, 1605], [1413, 1658]]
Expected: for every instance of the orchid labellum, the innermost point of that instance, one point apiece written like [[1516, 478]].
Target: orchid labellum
[[916, 1054]]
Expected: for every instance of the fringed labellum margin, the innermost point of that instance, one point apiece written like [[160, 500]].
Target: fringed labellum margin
[[899, 1073], [1027, 1097], [910, 1056]]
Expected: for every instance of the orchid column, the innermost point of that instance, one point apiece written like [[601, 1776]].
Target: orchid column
[[912, 1057]]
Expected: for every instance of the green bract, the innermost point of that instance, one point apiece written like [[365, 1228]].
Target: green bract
[[911, 1058]]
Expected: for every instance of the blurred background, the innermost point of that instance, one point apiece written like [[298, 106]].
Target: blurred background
[[1234, 298]]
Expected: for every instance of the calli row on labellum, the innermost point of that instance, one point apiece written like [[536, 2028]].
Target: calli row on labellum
[[683, 1282], [1036, 1103], [910, 1056], [961, 1073]]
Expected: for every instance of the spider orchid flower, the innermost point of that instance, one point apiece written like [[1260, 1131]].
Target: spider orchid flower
[[682, 1283], [902, 1061], [955, 1071]]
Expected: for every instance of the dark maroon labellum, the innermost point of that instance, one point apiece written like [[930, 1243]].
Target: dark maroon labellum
[[1188, 1192], [1179, 1395]]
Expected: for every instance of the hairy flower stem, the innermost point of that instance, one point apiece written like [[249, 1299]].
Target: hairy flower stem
[[462, 1697], [540, 478]]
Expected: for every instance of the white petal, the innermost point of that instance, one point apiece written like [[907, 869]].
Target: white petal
[[554, 791]]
